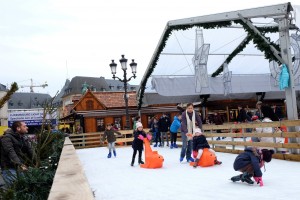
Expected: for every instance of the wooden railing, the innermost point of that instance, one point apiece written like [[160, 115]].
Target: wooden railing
[[236, 145], [237, 140], [88, 140], [70, 181]]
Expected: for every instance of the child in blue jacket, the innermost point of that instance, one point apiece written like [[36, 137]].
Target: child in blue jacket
[[174, 129]]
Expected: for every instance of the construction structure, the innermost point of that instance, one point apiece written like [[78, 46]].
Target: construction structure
[[31, 86]]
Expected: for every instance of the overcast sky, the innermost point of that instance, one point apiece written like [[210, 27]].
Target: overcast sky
[[50, 41]]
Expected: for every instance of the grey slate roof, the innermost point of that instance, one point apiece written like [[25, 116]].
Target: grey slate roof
[[95, 84], [116, 85], [21, 100], [58, 99], [3, 87]]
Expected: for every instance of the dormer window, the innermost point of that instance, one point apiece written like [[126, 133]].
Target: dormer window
[[111, 87], [20, 103], [119, 87]]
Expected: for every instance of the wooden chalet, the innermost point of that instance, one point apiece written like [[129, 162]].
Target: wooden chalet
[[95, 109]]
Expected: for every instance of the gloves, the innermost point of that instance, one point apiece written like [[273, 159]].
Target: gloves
[[149, 137], [141, 137], [189, 136], [259, 181]]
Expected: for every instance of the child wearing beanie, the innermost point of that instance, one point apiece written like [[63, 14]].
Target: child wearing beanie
[[199, 143], [137, 144], [249, 163]]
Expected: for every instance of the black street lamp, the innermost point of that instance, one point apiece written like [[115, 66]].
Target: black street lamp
[[113, 67]]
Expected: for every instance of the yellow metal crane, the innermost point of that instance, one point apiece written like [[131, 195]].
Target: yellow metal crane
[[31, 86]]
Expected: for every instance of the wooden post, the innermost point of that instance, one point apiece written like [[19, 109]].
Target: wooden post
[[228, 114]]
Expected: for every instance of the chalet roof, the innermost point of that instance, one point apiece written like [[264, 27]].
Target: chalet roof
[[96, 84], [116, 99], [20, 100]]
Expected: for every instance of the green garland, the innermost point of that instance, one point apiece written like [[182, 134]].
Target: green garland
[[13, 88], [163, 44], [260, 43], [257, 40]]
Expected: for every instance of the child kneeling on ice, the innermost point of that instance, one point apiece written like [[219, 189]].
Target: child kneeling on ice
[[249, 163], [199, 143], [138, 141]]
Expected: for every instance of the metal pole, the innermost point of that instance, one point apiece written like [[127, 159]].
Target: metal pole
[[127, 126], [286, 55], [290, 93]]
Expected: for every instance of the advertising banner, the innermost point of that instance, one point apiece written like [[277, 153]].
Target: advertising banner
[[31, 118]]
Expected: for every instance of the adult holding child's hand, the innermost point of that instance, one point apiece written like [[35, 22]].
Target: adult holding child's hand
[[189, 119]]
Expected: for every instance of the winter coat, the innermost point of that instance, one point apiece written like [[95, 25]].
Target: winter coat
[[175, 125], [217, 120], [164, 124], [268, 130], [242, 116], [249, 156], [137, 143], [154, 127], [184, 128], [15, 149], [265, 130], [110, 135], [200, 142]]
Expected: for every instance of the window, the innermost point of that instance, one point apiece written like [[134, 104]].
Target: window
[[150, 120], [90, 105], [117, 123], [100, 124]]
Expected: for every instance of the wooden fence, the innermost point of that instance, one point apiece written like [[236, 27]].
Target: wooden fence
[[237, 134]]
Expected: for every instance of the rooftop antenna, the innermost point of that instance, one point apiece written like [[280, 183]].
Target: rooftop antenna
[[67, 69]]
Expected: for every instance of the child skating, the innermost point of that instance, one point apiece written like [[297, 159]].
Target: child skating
[[138, 141], [174, 129], [109, 134]]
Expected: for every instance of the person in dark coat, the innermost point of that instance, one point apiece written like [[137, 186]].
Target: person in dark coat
[[16, 151], [242, 115], [109, 133], [249, 162], [164, 124], [199, 143], [155, 132], [217, 120], [189, 120], [138, 141]]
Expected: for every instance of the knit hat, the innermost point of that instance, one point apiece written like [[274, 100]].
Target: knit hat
[[139, 124], [267, 154], [198, 130]]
